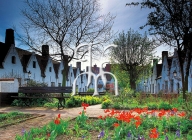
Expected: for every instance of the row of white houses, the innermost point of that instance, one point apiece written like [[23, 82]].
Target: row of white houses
[[25, 65], [165, 77]]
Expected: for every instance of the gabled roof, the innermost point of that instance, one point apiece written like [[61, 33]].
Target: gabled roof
[[24, 57], [56, 68], [42, 61], [22, 52], [25, 61]]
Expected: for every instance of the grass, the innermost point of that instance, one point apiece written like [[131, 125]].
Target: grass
[[130, 102], [14, 117]]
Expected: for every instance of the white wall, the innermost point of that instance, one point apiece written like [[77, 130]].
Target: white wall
[[10, 69]]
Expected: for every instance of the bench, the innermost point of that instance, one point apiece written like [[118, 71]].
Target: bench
[[29, 93], [89, 93]]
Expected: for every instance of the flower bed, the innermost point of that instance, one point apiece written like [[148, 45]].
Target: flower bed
[[14, 117], [139, 124]]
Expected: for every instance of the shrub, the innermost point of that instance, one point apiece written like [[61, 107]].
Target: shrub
[[32, 83], [51, 104], [106, 103], [75, 101], [116, 106], [35, 101], [152, 106], [90, 90], [165, 105]]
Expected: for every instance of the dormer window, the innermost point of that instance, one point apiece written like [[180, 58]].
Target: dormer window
[[13, 60], [34, 64], [50, 69]]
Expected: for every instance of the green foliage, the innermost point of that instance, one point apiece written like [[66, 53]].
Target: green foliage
[[152, 106], [128, 99], [10, 114], [35, 101], [75, 101], [106, 103], [116, 105], [90, 90], [115, 126], [165, 106], [133, 54], [41, 133], [52, 104], [81, 119], [121, 75], [32, 83]]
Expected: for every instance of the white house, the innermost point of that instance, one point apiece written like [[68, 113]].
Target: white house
[[10, 64], [166, 77], [18, 63], [175, 80]]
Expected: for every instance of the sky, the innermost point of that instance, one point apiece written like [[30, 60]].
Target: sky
[[126, 17]]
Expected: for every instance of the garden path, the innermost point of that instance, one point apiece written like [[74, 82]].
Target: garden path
[[9, 132]]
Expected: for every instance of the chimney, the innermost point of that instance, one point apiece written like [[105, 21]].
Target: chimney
[[78, 65], [66, 57], [164, 53], [87, 67], [45, 50], [9, 37], [108, 68]]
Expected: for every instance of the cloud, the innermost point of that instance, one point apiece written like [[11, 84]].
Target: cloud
[[126, 17]]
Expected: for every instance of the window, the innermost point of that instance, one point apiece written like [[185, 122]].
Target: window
[[171, 85], [152, 88], [178, 88], [13, 60], [34, 64], [59, 84], [166, 86], [19, 80], [52, 84], [158, 87], [50, 69]]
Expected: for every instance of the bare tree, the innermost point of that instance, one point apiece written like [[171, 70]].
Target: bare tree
[[134, 53], [171, 22], [63, 25]]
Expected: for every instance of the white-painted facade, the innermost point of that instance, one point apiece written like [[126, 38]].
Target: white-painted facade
[[165, 81], [41, 68]]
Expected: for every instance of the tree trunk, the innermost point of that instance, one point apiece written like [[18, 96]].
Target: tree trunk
[[133, 77], [65, 73], [132, 83], [181, 62], [188, 49]]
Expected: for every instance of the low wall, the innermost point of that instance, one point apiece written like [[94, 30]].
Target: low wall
[[8, 88]]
